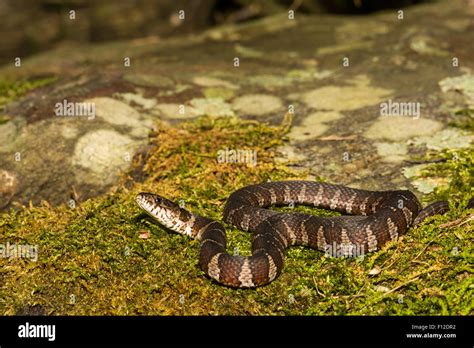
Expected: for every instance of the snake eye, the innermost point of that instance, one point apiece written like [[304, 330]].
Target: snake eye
[[161, 201], [145, 199]]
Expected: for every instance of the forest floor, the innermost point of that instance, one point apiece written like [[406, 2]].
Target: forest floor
[[106, 257]]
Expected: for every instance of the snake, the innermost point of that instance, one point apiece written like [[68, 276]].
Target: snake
[[370, 220]]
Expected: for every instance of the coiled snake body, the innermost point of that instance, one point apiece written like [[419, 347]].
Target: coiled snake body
[[376, 218]]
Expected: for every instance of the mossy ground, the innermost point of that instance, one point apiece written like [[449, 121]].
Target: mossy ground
[[11, 90], [93, 259]]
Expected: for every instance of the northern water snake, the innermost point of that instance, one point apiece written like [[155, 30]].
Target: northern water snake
[[376, 217]]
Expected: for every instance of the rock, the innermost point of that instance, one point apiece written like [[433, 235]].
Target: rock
[[69, 131], [149, 80], [114, 112], [428, 46], [413, 171], [145, 103], [308, 75], [458, 24], [358, 30], [104, 153], [257, 104], [8, 185], [219, 92], [424, 185], [289, 154], [8, 133], [247, 52], [205, 81], [313, 125], [302, 133], [120, 114], [341, 48], [175, 80], [463, 84], [270, 81], [391, 152], [396, 128], [450, 138], [346, 98], [293, 76], [428, 185], [212, 107], [177, 111]]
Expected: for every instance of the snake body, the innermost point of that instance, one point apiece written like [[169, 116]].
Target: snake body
[[376, 217]]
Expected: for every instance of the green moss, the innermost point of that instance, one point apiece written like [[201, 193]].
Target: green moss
[[219, 92], [10, 90], [457, 165], [93, 261], [463, 119], [3, 119]]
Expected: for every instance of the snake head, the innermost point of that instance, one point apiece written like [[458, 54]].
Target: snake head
[[167, 213], [153, 204]]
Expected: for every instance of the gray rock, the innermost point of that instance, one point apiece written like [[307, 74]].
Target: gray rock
[[397, 128], [104, 153], [257, 104]]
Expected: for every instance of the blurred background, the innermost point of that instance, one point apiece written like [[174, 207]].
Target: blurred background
[[191, 62], [30, 26], [169, 95]]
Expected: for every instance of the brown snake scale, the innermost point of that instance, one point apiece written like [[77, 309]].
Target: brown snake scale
[[376, 217]]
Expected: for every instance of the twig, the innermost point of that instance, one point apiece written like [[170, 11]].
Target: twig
[[458, 222], [436, 160], [317, 290], [416, 277], [402, 285], [337, 137]]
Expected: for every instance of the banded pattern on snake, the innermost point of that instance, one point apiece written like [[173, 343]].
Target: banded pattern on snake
[[376, 217]]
